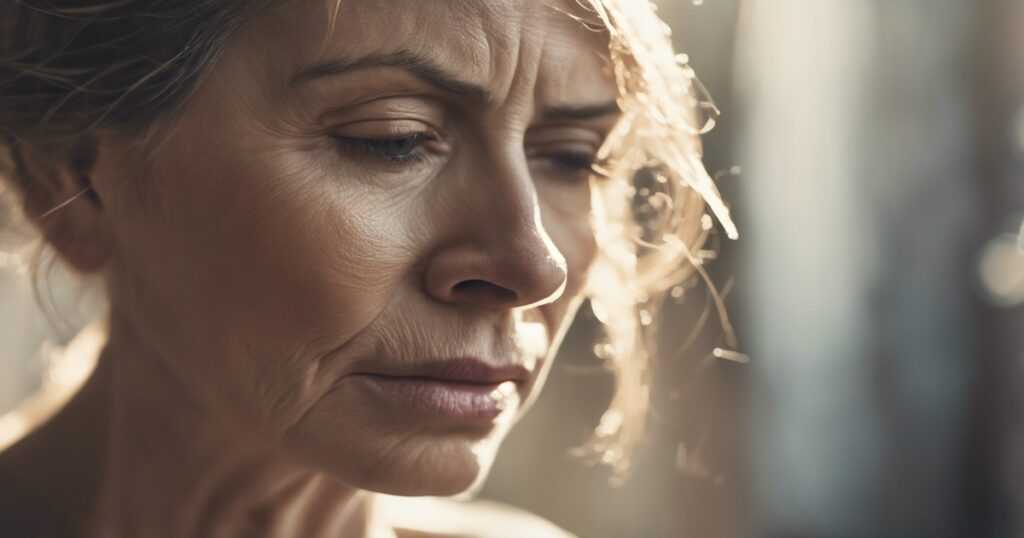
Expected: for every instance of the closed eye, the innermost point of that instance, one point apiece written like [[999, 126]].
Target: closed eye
[[573, 161], [402, 149]]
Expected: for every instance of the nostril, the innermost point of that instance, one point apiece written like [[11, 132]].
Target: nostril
[[484, 291]]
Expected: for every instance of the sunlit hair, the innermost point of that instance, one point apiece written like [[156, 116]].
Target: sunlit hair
[[650, 212], [69, 68]]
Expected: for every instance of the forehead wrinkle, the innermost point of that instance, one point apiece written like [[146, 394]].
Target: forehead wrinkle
[[576, 69], [487, 42], [506, 60], [452, 33], [565, 66], [499, 25]]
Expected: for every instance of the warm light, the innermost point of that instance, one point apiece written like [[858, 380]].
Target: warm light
[[1002, 270], [70, 368], [1020, 238]]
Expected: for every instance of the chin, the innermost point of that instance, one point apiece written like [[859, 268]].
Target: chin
[[432, 468], [418, 464]]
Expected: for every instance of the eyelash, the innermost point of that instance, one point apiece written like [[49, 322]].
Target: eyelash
[[572, 161], [408, 150], [385, 148]]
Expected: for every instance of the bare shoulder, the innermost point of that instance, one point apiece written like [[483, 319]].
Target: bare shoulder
[[445, 518]]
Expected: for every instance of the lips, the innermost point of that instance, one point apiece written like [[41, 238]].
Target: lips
[[465, 389], [462, 370]]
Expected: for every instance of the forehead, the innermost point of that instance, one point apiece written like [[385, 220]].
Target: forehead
[[489, 43]]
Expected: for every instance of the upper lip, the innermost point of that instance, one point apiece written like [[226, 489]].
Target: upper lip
[[457, 370]]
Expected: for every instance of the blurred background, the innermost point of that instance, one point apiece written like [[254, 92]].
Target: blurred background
[[873, 152]]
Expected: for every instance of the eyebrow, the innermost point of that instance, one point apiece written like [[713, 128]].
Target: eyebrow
[[420, 67], [581, 112], [435, 75]]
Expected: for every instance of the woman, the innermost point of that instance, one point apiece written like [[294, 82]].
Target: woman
[[341, 242]]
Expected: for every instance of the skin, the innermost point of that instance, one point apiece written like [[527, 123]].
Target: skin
[[259, 253]]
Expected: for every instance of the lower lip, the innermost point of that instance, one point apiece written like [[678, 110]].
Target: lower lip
[[467, 401]]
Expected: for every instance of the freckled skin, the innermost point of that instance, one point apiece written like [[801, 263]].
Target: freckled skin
[[254, 260]]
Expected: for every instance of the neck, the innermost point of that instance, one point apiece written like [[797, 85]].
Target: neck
[[178, 469]]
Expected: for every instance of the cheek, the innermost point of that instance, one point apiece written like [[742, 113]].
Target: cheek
[[570, 226], [252, 269], [568, 219]]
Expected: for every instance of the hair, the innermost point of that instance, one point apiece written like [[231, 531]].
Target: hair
[[70, 68]]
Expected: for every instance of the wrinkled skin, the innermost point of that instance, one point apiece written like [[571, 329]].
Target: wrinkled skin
[[267, 245]]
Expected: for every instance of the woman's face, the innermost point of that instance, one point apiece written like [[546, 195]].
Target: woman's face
[[361, 243]]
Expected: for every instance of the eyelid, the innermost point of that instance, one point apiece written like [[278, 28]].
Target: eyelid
[[561, 147], [393, 108], [556, 152], [563, 134], [384, 129], [392, 144]]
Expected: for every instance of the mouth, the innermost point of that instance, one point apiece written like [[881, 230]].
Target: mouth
[[465, 389]]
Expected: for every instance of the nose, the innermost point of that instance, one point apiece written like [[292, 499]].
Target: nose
[[526, 271], [500, 256]]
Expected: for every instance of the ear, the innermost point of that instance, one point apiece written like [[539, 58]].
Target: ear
[[58, 198]]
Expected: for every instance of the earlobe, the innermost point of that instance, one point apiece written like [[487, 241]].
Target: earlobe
[[58, 197], [79, 233]]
